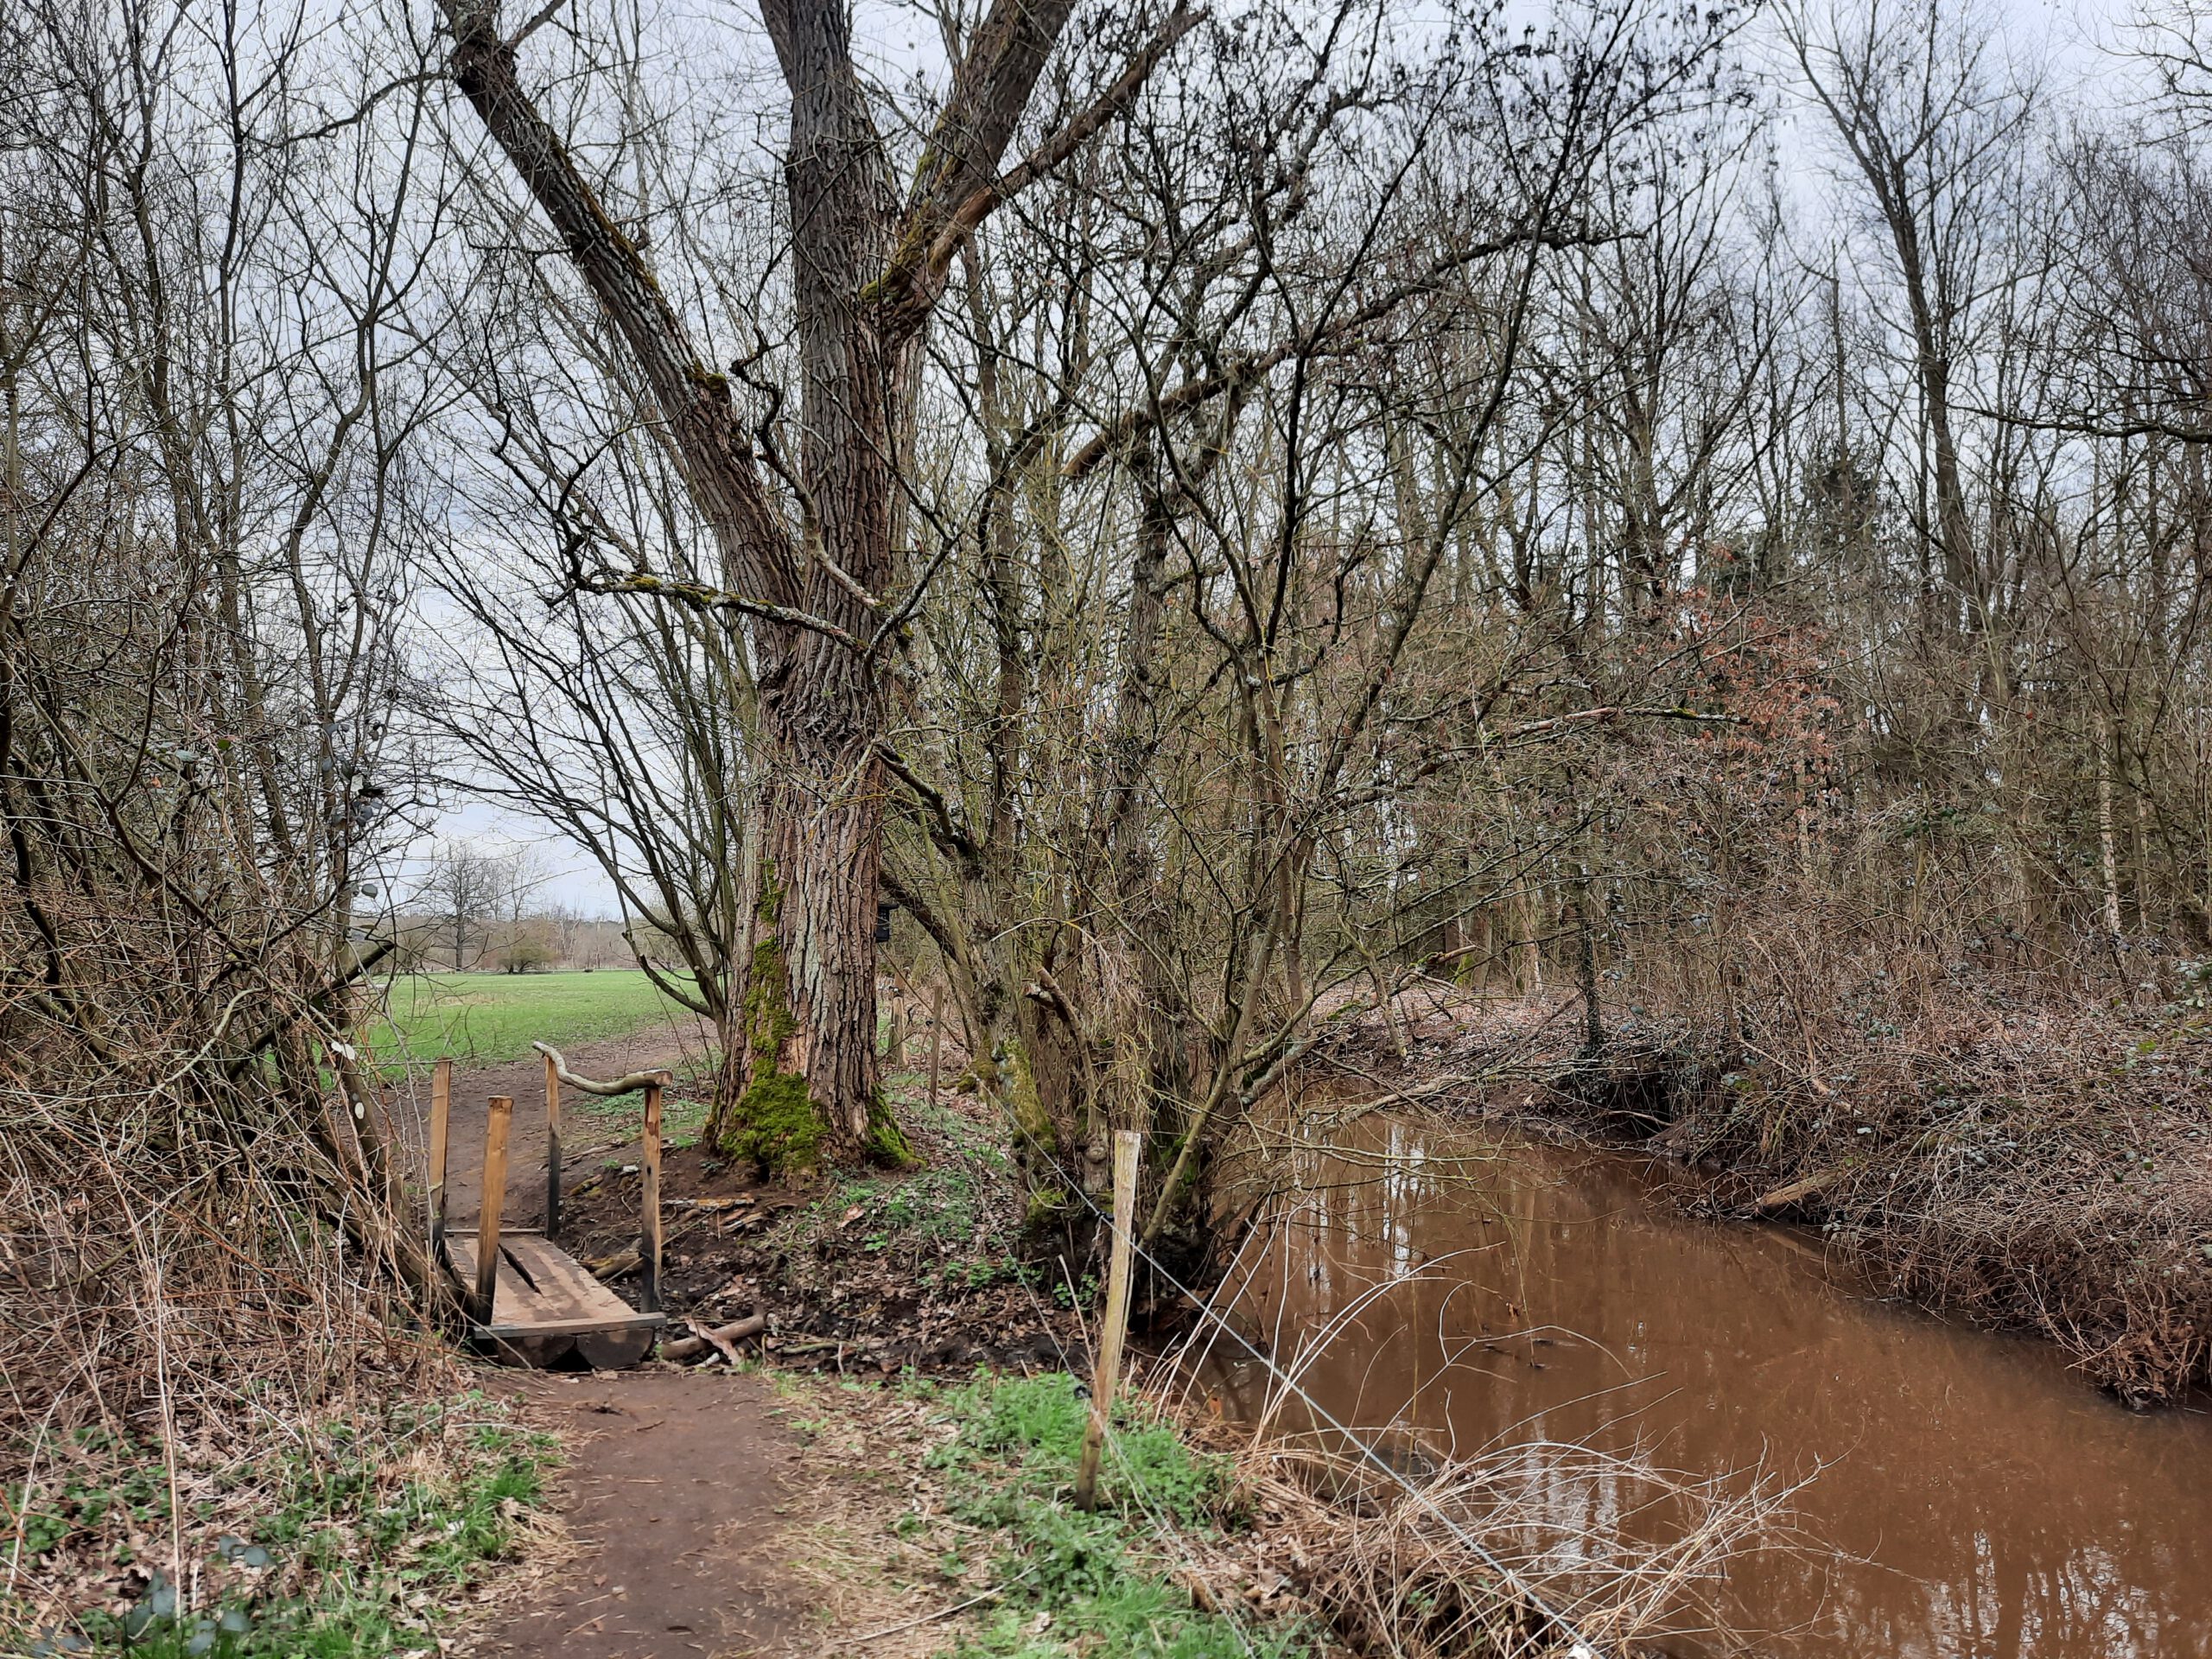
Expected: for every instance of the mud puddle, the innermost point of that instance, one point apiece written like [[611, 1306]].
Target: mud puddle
[[1974, 1499]]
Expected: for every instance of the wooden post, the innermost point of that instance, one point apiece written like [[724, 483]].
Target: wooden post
[[495, 1200], [552, 1149], [936, 1035], [1127, 1145], [441, 1126], [649, 1181]]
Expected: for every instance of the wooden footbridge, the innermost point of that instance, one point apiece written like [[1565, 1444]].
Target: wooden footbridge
[[528, 1301]]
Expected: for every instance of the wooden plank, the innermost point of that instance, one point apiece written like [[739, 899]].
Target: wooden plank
[[572, 1327], [495, 1199], [564, 1289], [552, 1148], [546, 1292]]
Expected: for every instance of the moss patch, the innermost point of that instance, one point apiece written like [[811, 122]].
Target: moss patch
[[768, 1020], [777, 1126], [885, 1143], [774, 1123], [1048, 1198]]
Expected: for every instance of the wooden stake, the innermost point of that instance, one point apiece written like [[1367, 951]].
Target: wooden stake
[[1127, 1143], [441, 1126], [936, 1035], [552, 1148], [649, 1180], [495, 1200]]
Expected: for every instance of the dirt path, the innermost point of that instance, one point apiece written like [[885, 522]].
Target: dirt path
[[672, 1484], [671, 1496], [586, 1140]]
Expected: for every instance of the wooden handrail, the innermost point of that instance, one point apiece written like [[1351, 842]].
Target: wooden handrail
[[604, 1091]]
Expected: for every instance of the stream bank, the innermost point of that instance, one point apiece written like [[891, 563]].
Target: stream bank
[[1551, 1315], [2036, 1170], [914, 1412]]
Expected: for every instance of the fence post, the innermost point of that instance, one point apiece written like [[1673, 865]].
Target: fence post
[[495, 1200], [552, 1149], [936, 1036], [441, 1126], [649, 1180], [1108, 1374]]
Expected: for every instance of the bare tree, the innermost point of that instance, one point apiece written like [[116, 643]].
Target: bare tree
[[463, 889], [210, 421], [1935, 125], [805, 536]]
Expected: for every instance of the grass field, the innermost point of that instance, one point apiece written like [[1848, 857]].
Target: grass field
[[483, 1018]]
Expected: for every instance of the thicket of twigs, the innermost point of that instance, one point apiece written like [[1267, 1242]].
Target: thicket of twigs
[[201, 476], [198, 1259], [1525, 1549], [2021, 1142]]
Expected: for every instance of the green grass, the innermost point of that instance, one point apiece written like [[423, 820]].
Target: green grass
[[484, 1019], [1071, 1583]]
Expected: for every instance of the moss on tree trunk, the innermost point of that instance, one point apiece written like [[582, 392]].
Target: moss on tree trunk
[[775, 1123]]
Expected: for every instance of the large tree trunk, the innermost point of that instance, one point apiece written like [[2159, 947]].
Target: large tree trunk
[[821, 707], [865, 271]]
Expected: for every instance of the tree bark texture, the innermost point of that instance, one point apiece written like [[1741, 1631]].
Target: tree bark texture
[[866, 268]]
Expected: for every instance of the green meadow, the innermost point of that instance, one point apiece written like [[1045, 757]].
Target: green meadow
[[484, 1019]]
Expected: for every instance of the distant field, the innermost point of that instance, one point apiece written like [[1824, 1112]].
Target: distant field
[[486, 1017]]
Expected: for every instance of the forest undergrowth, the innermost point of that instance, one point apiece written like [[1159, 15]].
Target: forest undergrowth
[[383, 1524], [944, 1525]]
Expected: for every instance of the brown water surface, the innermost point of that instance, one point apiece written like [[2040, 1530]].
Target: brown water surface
[[1983, 1501]]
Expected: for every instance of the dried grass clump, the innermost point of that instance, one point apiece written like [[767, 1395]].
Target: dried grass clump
[[1519, 1550]]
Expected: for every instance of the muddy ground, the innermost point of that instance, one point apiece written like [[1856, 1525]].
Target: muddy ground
[[673, 1496]]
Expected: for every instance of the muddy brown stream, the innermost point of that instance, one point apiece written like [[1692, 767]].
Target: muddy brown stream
[[1975, 1498]]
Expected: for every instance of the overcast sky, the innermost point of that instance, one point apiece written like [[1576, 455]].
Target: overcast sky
[[2079, 44]]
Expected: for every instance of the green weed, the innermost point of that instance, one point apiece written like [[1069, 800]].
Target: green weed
[[378, 1534], [1074, 1582]]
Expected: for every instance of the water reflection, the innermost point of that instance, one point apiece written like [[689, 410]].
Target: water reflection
[[1985, 1503]]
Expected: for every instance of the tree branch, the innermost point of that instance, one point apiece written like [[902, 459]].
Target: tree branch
[[700, 597], [711, 443], [622, 1085]]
